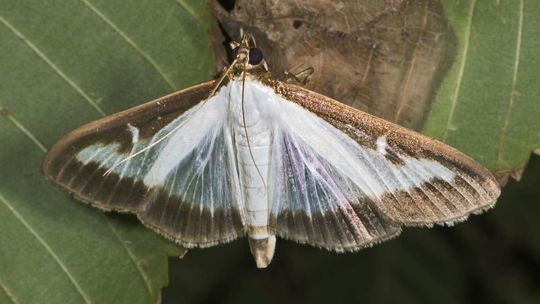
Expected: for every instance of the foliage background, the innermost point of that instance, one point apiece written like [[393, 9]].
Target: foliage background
[[66, 62]]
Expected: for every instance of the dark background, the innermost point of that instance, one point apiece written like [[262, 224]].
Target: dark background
[[491, 258]]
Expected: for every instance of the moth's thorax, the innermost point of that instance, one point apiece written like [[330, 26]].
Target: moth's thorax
[[249, 110]]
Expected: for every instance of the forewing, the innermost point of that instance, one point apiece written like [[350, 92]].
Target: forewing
[[184, 185], [410, 178]]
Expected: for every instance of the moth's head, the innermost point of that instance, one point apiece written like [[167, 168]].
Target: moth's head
[[245, 56]]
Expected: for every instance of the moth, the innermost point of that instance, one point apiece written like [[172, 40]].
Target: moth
[[248, 155]]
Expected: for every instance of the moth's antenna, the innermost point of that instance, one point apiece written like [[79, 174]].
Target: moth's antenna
[[225, 74], [177, 127], [245, 128]]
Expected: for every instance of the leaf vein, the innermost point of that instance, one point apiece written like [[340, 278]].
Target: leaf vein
[[23, 129], [8, 292], [504, 129], [455, 97], [51, 64], [130, 42], [49, 250], [412, 66], [190, 11], [132, 256]]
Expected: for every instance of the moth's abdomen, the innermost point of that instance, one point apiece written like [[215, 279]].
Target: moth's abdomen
[[253, 143], [253, 152]]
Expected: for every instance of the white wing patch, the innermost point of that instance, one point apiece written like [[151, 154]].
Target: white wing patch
[[203, 125], [195, 134], [134, 133], [381, 145]]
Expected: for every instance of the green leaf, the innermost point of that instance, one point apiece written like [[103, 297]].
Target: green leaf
[[489, 105], [64, 63]]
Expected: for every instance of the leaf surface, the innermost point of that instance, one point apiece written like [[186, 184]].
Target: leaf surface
[[64, 63], [489, 104]]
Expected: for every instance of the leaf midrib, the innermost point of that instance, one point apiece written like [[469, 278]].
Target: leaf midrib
[[515, 71], [462, 64]]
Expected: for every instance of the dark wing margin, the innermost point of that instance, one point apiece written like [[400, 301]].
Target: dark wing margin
[[125, 190], [473, 189]]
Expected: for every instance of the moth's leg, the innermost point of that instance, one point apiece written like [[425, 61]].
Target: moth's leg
[[301, 78], [233, 45]]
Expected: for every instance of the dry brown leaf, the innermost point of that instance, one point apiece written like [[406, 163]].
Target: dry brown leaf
[[383, 57]]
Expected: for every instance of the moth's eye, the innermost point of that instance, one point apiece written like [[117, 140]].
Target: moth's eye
[[255, 56], [233, 54]]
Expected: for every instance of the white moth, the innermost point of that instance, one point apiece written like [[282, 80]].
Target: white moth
[[250, 155]]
